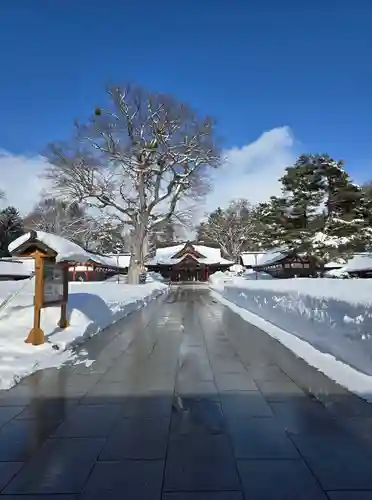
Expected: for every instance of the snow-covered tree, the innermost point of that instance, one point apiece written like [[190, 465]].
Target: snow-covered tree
[[302, 192], [11, 227], [346, 227], [109, 239], [137, 159], [51, 215], [163, 235], [274, 224], [321, 211], [234, 229]]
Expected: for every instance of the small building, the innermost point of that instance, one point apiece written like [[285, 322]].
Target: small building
[[187, 262], [250, 259], [333, 265], [83, 265], [359, 266], [284, 263], [108, 266], [12, 269]]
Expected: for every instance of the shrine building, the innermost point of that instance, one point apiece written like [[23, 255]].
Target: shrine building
[[187, 262]]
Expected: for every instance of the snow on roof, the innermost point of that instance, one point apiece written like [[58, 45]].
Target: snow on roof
[[334, 264], [212, 255], [335, 273], [66, 250], [122, 259], [273, 256], [13, 268], [166, 255], [360, 262], [251, 258]]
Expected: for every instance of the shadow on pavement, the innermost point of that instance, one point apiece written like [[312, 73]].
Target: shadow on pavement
[[88, 437], [187, 402]]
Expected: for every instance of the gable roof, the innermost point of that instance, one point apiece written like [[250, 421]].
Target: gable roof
[[175, 254], [251, 258], [273, 256], [359, 262]]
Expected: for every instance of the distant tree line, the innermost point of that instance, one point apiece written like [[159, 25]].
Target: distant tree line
[[320, 211]]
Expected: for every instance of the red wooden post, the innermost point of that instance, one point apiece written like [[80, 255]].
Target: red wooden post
[[206, 273]]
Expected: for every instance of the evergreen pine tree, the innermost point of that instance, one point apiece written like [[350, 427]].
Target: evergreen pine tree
[[320, 211], [274, 223], [301, 188], [346, 226], [11, 227]]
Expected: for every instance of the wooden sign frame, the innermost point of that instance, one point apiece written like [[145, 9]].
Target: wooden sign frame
[[36, 335], [43, 254], [59, 267]]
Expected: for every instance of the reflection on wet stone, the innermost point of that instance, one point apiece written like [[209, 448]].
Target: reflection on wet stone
[[187, 398], [197, 417]]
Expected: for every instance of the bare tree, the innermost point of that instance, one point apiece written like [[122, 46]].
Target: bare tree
[[137, 159], [231, 228], [58, 217], [71, 221]]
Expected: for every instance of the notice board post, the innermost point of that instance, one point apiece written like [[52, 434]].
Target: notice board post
[[36, 335], [51, 283], [51, 289]]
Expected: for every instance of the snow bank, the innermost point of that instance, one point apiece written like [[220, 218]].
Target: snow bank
[[91, 308], [152, 276], [333, 316]]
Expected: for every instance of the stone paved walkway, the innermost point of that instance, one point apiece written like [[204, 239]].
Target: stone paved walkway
[[184, 402]]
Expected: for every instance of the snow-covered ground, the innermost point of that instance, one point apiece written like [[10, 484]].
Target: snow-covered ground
[[91, 307], [326, 322]]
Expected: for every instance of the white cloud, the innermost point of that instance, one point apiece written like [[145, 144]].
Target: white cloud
[[252, 171], [249, 172], [20, 178]]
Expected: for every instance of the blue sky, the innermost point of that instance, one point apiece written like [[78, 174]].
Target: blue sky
[[257, 66]]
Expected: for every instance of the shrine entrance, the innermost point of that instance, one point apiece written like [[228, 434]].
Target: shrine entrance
[[189, 270]]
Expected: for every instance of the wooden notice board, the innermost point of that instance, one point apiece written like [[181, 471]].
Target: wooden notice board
[[51, 283]]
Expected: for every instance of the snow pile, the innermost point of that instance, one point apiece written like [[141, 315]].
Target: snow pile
[[237, 269], [91, 308], [252, 275], [333, 316], [221, 277], [152, 276], [218, 279]]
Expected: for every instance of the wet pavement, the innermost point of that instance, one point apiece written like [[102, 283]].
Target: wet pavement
[[185, 401]]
